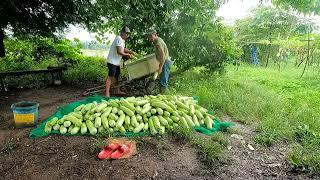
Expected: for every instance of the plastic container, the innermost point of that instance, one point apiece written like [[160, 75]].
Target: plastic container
[[142, 67], [25, 113]]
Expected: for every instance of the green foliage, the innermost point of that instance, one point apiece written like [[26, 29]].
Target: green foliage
[[138, 15], [278, 34], [67, 49], [18, 52], [193, 34], [266, 23], [285, 107], [310, 6], [201, 42], [39, 53], [44, 17], [87, 69], [33, 53]]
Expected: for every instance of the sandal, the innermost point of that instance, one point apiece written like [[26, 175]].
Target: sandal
[[120, 151], [107, 151]]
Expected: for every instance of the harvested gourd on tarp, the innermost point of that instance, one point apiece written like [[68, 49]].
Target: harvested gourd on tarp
[[148, 114]]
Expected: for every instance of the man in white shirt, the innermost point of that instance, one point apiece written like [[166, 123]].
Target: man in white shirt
[[117, 51]]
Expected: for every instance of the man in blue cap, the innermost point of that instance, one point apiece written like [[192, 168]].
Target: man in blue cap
[[162, 55]]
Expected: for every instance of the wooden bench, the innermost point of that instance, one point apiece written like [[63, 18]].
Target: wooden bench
[[50, 70]]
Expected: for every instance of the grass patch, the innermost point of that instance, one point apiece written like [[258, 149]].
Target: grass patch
[[8, 147], [155, 144], [219, 138], [96, 146], [305, 152], [210, 149], [278, 101], [232, 130], [306, 156]]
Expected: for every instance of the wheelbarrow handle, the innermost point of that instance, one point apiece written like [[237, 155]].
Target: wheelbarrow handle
[[98, 87]]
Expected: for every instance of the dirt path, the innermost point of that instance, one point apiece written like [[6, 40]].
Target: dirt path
[[57, 157], [257, 163]]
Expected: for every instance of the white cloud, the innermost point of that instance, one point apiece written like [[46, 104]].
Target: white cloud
[[238, 9], [83, 34], [80, 33], [234, 10]]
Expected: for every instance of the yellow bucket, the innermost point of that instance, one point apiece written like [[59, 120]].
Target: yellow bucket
[[25, 113]]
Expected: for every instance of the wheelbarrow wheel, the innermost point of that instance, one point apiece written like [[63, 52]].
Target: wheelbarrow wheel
[[153, 87]]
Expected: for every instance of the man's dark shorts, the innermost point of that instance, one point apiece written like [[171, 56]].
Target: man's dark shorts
[[113, 70]]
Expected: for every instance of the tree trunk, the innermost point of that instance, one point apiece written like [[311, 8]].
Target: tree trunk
[[269, 53], [312, 61], [308, 55], [302, 58], [270, 42], [2, 50]]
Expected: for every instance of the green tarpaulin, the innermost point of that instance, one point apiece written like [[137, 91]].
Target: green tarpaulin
[[39, 131]]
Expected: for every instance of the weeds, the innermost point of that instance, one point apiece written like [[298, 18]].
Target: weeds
[[279, 102], [97, 145], [8, 147], [219, 138], [210, 150]]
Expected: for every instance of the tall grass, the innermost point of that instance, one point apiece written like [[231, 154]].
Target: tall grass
[[279, 102]]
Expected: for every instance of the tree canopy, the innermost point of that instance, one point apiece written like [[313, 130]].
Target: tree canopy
[[304, 6], [278, 33], [271, 23], [190, 28], [193, 32], [43, 17]]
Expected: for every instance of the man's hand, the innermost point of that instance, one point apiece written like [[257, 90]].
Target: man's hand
[[160, 70], [129, 51], [130, 56]]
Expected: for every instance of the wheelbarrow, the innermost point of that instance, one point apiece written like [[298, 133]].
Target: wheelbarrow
[[140, 74]]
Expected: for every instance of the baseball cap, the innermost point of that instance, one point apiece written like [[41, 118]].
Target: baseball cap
[[125, 29], [151, 31]]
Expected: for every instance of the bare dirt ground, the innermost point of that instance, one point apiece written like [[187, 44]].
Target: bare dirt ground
[[62, 157]]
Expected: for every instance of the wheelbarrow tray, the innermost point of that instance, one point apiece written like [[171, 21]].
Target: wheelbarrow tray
[[143, 67]]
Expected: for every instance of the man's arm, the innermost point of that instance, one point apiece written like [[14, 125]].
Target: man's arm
[[121, 52], [162, 60], [129, 51]]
